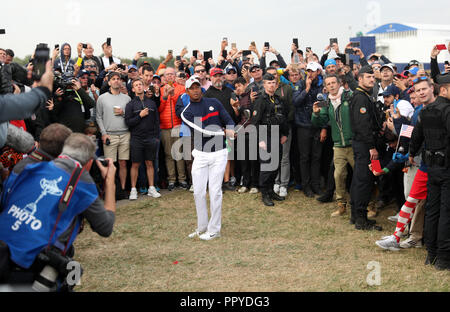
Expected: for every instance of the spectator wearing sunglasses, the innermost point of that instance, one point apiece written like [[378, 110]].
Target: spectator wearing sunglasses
[[180, 78], [230, 77], [200, 72], [88, 56]]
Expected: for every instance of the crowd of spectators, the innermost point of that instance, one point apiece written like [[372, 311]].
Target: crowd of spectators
[[130, 113]]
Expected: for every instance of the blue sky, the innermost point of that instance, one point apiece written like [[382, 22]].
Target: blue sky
[[155, 27]]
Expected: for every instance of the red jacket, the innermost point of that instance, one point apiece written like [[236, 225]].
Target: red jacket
[[167, 117]]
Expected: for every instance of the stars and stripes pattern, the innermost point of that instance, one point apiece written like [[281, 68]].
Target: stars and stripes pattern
[[406, 131]]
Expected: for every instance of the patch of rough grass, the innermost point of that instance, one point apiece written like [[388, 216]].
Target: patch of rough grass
[[293, 246]]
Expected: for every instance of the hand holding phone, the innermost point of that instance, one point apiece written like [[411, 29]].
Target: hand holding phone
[[295, 41]]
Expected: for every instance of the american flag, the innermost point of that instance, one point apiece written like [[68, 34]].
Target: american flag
[[406, 131]]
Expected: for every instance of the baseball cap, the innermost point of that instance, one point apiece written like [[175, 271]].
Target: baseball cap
[[329, 62], [403, 74], [253, 67], [391, 90], [367, 69], [230, 68], [274, 62], [132, 67], [413, 71], [268, 77], [191, 81], [157, 77], [215, 71], [443, 79], [387, 66], [83, 72], [112, 74], [314, 66], [413, 63]]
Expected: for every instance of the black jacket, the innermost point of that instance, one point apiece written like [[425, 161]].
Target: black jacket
[[365, 118], [432, 128], [266, 112], [224, 97], [146, 128], [69, 111]]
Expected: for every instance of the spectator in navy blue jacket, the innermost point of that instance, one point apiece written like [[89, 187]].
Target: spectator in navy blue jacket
[[309, 138], [142, 118]]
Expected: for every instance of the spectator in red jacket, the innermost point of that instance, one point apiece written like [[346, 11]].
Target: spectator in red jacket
[[170, 127]]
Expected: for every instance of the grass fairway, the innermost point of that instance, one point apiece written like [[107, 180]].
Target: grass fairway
[[294, 246]]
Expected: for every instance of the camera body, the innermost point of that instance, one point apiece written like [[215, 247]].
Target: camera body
[[61, 81], [103, 161], [41, 56], [55, 266]]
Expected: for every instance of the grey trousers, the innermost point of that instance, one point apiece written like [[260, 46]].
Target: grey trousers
[[283, 175]]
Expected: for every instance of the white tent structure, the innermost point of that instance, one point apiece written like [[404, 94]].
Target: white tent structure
[[407, 41]]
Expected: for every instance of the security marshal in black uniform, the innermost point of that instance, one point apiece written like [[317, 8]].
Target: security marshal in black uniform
[[433, 131], [366, 120], [270, 118]]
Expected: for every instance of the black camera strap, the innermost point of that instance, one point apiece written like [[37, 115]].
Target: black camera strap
[[66, 196]]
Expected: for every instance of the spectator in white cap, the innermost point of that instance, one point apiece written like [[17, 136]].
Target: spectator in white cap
[[310, 138], [207, 119]]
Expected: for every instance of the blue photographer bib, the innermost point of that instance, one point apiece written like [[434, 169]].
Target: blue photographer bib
[[30, 211]]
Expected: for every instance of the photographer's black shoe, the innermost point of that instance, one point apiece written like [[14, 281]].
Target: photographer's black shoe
[[267, 200], [325, 198], [275, 196]]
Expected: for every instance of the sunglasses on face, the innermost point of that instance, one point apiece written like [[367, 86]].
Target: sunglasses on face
[[200, 71]]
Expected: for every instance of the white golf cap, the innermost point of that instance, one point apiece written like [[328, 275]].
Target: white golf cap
[[314, 66], [191, 81]]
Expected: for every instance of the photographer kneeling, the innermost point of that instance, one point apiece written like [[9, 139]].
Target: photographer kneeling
[[43, 212]]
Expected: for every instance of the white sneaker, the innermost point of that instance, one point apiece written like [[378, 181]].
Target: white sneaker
[[243, 189], [394, 218], [276, 188], [153, 192], [192, 188], [133, 194], [208, 236], [283, 191], [253, 190], [410, 243], [389, 243], [195, 234]]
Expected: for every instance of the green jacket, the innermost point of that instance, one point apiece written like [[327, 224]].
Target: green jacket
[[339, 120]]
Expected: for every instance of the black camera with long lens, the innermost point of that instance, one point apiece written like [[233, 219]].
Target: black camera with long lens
[[41, 57], [61, 81], [55, 266]]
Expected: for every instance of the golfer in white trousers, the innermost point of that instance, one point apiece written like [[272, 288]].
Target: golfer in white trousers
[[207, 118]]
